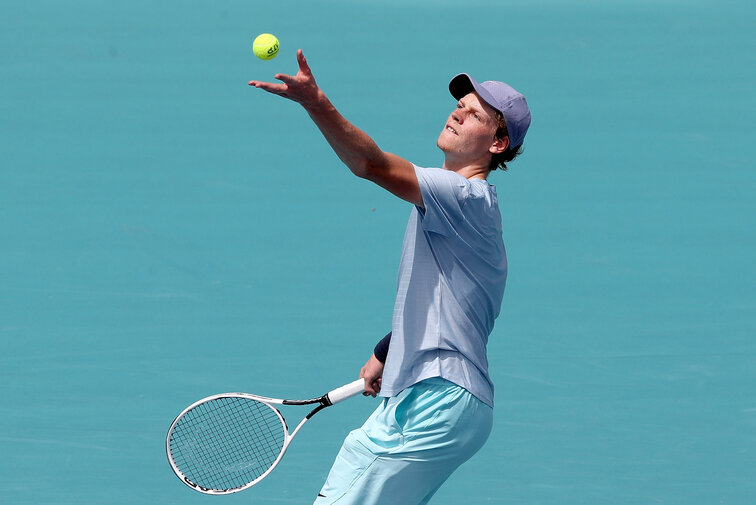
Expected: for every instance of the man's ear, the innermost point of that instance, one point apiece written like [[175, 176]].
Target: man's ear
[[499, 146]]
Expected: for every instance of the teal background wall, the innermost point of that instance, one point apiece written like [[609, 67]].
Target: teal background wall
[[167, 232]]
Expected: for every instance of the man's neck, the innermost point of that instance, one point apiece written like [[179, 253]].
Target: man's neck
[[468, 170]]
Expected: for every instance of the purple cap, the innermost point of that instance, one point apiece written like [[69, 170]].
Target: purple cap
[[501, 97]]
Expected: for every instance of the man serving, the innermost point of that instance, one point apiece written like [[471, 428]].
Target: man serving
[[432, 369]]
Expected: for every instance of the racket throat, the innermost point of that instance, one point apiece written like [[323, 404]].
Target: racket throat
[[316, 410], [322, 402]]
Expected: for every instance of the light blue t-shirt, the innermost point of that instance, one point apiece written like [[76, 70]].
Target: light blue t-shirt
[[450, 287]]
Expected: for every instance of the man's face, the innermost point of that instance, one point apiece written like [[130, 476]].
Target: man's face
[[470, 130]]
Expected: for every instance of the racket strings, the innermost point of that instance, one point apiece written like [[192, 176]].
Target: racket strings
[[227, 442]]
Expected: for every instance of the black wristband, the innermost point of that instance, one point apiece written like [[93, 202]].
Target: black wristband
[[382, 347]]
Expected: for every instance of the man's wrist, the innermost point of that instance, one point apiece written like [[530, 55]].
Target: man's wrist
[[319, 105]]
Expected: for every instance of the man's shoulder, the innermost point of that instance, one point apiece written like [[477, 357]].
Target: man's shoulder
[[440, 178]]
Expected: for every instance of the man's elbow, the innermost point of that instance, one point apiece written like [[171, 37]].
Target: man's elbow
[[372, 170]]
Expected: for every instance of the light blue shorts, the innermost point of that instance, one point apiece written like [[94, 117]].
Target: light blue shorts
[[408, 447]]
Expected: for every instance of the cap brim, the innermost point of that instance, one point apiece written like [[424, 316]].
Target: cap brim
[[463, 84]]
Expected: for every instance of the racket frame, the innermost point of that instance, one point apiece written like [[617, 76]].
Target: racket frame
[[328, 399]]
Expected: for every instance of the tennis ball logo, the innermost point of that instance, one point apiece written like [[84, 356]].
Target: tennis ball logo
[[265, 46]]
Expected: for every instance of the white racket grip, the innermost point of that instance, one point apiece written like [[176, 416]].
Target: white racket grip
[[347, 391]]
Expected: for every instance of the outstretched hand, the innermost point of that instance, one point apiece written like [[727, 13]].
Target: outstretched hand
[[300, 88]]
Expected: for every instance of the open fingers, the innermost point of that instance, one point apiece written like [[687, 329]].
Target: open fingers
[[303, 66], [270, 87], [286, 79], [299, 88]]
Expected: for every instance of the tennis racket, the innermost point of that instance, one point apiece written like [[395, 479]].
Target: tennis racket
[[229, 442]]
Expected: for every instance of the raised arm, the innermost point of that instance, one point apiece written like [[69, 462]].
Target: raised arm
[[353, 146]]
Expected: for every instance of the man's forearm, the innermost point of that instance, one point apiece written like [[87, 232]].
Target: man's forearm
[[353, 146]]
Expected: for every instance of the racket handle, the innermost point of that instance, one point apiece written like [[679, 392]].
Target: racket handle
[[348, 391]]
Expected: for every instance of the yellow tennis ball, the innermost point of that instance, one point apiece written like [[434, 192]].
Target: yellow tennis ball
[[265, 46]]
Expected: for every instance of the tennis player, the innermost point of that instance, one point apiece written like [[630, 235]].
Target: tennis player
[[432, 368]]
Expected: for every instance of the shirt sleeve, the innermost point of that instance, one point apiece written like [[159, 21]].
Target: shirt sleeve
[[443, 193]]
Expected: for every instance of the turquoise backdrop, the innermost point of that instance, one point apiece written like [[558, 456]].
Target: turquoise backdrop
[[167, 232]]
